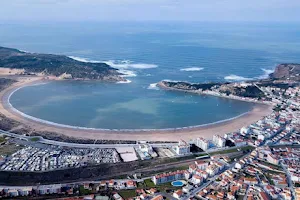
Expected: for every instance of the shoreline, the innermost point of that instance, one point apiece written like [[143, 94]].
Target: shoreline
[[205, 130], [161, 85]]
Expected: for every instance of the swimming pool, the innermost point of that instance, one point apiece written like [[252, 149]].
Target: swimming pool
[[178, 183]]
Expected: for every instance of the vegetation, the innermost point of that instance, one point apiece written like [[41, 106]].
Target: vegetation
[[8, 149], [83, 191], [2, 139], [4, 82], [226, 88], [149, 183], [191, 86], [34, 139], [127, 194], [249, 91], [55, 65], [247, 148]]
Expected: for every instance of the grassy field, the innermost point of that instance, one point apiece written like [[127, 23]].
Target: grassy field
[[9, 149], [35, 139], [2, 139], [232, 150], [149, 183], [160, 187], [126, 194]]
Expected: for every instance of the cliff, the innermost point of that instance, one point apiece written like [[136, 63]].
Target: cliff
[[286, 71], [56, 65]]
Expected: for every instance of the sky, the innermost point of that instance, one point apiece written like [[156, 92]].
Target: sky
[[144, 10]]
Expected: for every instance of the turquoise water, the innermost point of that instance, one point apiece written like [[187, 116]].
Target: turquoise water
[[150, 52], [177, 183]]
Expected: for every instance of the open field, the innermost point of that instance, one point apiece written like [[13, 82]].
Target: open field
[[8, 149]]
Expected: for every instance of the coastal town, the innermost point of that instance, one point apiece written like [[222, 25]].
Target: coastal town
[[260, 161]]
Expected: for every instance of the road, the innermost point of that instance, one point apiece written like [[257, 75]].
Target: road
[[289, 179], [78, 145]]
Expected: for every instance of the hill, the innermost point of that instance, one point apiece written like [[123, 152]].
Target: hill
[[287, 71], [56, 65]]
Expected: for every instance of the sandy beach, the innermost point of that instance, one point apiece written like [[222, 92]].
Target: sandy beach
[[258, 112]]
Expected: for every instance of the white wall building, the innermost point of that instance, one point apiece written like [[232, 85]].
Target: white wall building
[[182, 148], [202, 143], [219, 141]]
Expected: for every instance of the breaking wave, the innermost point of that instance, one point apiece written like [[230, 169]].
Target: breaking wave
[[86, 60], [126, 81], [266, 74], [123, 66], [127, 73], [233, 77], [153, 86], [126, 64], [192, 69]]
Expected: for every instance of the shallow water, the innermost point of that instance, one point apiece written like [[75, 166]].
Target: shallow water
[[148, 53]]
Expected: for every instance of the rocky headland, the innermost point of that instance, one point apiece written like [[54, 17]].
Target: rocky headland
[[287, 71], [284, 76], [13, 61]]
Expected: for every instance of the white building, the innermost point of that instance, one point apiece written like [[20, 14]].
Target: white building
[[202, 165], [196, 179], [202, 143], [178, 194], [182, 148], [219, 141], [244, 131]]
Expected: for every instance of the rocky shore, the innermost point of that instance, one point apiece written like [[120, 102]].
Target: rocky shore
[[13, 61], [285, 75]]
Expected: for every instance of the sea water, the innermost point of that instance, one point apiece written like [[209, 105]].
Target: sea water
[[148, 53]]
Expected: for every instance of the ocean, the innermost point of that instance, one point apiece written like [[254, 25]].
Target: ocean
[[149, 52]]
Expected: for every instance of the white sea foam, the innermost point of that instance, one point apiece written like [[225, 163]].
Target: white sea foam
[[85, 60], [192, 69], [153, 86], [233, 77], [125, 64], [126, 81], [127, 73], [266, 74]]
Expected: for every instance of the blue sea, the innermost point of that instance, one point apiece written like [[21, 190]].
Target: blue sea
[[149, 52]]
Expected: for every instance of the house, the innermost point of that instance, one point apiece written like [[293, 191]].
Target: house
[[192, 168], [178, 194], [187, 188], [116, 196], [202, 173], [263, 196], [111, 183], [131, 184], [250, 181], [196, 179], [152, 191], [201, 164], [158, 197]]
